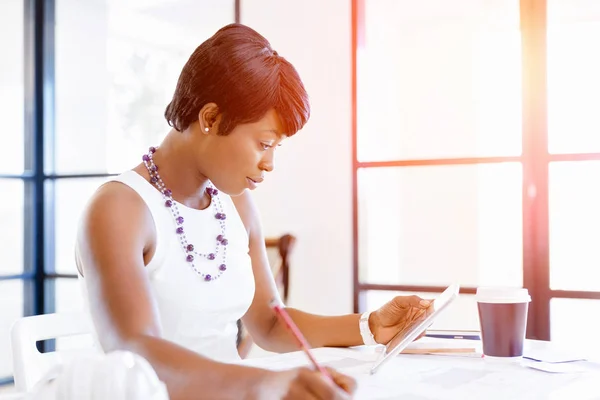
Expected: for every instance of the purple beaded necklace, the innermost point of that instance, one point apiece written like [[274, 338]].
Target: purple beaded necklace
[[188, 248]]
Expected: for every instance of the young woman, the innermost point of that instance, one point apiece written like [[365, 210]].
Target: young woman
[[172, 253]]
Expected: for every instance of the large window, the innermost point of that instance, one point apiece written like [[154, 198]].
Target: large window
[[81, 99], [470, 166], [13, 270]]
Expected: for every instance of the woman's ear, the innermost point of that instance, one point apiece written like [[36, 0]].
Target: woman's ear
[[208, 117]]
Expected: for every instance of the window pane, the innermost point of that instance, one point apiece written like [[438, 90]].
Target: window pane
[[460, 315], [11, 223], [117, 63], [11, 309], [574, 201], [68, 299], [573, 79], [438, 79], [11, 85], [72, 195], [438, 225], [67, 295], [575, 318]]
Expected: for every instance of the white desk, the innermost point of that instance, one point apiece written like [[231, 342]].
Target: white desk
[[429, 377], [13, 396]]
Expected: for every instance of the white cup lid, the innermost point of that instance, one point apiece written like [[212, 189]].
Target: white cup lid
[[502, 295]]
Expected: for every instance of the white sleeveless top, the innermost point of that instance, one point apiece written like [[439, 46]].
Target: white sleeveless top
[[198, 315]]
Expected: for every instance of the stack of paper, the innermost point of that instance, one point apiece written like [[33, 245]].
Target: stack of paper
[[453, 347]]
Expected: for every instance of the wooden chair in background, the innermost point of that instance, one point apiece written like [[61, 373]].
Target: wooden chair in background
[[278, 251]]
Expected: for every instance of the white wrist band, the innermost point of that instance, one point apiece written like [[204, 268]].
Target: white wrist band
[[365, 331]]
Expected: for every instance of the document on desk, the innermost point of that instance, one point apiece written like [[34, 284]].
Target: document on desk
[[553, 355], [428, 377]]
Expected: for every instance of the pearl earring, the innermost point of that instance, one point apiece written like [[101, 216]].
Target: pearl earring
[[206, 129]]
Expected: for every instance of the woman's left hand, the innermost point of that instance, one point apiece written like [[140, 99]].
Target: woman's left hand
[[399, 314]]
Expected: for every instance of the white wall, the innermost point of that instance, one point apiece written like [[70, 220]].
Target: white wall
[[309, 194]]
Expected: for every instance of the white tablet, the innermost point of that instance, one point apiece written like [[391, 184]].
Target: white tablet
[[404, 338]]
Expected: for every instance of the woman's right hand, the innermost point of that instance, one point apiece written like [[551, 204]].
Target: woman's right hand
[[305, 383]]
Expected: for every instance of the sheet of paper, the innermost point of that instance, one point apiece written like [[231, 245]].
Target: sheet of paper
[[334, 357], [432, 377], [562, 368], [551, 355], [428, 377]]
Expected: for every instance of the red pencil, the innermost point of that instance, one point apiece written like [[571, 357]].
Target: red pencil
[[287, 320]]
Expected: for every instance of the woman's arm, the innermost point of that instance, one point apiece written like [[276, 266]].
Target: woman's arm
[[261, 321], [268, 332], [115, 235]]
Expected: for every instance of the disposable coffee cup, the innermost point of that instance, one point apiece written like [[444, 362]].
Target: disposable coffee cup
[[503, 320]]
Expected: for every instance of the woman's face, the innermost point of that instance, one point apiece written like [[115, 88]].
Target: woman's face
[[239, 160]]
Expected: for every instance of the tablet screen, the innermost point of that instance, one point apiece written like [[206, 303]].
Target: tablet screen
[[404, 338]]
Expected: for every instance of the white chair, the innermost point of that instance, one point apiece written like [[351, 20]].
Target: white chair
[[29, 364], [81, 373]]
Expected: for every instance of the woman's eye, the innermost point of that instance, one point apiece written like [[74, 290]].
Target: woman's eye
[[265, 146]]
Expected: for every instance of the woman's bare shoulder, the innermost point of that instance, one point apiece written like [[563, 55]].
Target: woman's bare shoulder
[[115, 214], [114, 197]]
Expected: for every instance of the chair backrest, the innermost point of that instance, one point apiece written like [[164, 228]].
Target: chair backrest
[[29, 364], [282, 246]]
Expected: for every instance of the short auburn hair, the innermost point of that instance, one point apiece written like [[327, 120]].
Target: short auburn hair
[[238, 70]]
